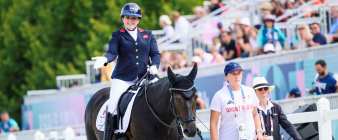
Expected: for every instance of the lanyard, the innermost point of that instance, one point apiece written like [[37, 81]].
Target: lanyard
[[269, 115], [232, 94]]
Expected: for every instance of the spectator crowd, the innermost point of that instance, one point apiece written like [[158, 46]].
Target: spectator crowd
[[245, 37]]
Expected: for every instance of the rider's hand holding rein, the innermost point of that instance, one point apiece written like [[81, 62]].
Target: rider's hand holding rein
[[153, 70]]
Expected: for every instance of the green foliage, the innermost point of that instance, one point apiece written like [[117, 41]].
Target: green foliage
[[42, 39]]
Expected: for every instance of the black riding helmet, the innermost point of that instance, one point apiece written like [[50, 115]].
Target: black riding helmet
[[132, 10]]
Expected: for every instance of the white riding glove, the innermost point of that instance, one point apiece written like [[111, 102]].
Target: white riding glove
[[99, 61], [153, 70]]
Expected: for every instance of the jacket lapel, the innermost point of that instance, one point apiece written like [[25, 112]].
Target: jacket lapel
[[126, 35]]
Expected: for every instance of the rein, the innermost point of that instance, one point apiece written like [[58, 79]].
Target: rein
[[178, 120]]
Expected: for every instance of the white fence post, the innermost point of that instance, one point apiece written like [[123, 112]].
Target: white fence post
[[53, 135], [324, 122], [11, 137], [69, 133], [38, 135]]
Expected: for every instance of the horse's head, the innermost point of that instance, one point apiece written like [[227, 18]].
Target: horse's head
[[184, 99]]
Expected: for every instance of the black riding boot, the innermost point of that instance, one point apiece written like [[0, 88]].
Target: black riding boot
[[110, 126], [121, 136]]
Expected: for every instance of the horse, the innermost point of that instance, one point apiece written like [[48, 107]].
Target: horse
[[160, 111]]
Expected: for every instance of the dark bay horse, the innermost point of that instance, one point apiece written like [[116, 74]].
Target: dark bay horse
[[159, 113]]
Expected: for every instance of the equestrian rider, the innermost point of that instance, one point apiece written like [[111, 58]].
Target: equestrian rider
[[134, 48]]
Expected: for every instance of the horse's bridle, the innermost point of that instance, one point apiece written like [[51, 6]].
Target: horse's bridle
[[187, 94], [172, 105]]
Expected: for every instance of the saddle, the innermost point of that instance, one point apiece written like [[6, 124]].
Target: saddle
[[127, 96]]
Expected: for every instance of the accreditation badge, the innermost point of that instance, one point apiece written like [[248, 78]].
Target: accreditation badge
[[242, 131]]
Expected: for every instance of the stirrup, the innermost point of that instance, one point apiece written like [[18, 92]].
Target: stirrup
[[110, 126]]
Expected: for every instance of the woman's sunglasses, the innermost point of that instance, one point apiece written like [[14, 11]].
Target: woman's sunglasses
[[264, 88]]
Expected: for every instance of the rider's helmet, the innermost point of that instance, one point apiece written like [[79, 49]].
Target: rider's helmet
[[231, 67], [132, 10]]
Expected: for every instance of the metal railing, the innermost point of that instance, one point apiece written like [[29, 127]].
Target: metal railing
[[68, 81]]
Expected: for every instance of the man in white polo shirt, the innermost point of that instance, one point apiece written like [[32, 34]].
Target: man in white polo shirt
[[235, 106]]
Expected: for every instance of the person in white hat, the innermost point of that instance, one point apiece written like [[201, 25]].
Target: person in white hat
[[269, 35], [270, 113]]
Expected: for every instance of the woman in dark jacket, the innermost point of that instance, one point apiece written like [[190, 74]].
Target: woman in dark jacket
[[271, 114]]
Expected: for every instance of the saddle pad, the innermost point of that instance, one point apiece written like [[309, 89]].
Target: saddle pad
[[121, 107]]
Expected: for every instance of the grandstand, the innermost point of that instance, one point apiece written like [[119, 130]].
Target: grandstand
[[58, 113]]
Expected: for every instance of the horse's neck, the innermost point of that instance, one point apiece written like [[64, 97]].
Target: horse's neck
[[159, 98]]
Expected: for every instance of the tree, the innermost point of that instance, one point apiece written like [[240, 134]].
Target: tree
[[42, 39]]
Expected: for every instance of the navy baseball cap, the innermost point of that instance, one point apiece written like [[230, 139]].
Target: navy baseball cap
[[296, 92], [231, 67]]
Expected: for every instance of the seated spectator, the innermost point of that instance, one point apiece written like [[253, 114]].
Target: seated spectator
[[253, 40], [165, 61], [228, 46], [199, 12], [318, 37], [270, 38], [7, 124], [304, 38], [165, 23], [216, 57], [333, 34], [265, 9], [294, 93], [182, 26], [325, 82], [278, 8], [214, 5], [180, 60], [205, 57], [243, 48]]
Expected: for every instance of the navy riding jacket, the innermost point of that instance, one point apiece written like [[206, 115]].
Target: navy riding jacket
[[132, 56]]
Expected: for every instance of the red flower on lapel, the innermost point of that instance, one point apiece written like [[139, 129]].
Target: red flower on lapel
[[122, 30], [145, 36]]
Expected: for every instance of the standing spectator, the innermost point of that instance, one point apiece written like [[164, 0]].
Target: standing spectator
[[318, 37], [270, 38], [182, 26], [325, 82], [168, 30], [7, 124], [235, 106], [228, 46], [294, 93], [271, 114]]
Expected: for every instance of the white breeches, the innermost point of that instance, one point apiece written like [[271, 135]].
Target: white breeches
[[118, 87]]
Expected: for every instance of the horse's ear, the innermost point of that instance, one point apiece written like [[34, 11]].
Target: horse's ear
[[171, 76], [193, 73]]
